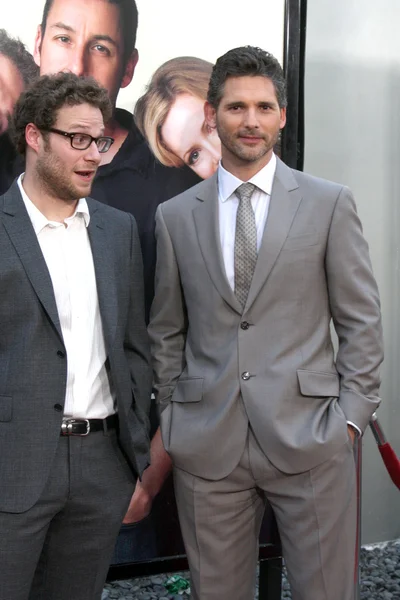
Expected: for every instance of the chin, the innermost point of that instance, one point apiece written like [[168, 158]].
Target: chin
[[86, 188]]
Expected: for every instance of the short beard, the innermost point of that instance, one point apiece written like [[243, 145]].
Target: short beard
[[52, 178], [247, 154]]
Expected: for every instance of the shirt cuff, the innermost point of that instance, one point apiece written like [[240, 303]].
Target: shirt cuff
[[354, 426]]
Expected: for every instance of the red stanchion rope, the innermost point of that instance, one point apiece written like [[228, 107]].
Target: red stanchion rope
[[389, 457]]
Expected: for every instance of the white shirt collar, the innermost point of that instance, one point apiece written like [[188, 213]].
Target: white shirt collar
[[39, 221], [228, 183]]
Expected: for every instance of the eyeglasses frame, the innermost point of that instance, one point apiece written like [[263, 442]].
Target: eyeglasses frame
[[72, 134]]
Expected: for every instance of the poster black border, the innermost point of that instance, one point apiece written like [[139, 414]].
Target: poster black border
[[292, 147]]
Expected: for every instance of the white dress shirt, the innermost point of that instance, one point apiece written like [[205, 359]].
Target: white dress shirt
[[68, 255], [228, 205]]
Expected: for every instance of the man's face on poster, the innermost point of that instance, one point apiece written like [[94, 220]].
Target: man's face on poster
[[85, 37], [11, 86]]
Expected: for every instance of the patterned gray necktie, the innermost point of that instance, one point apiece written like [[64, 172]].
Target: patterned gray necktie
[[245, 242]]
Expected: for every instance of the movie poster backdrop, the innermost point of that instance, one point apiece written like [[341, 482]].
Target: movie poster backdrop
[[181, 39]]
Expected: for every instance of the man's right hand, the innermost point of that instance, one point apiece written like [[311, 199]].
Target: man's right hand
[[152, 481], [140, 505]]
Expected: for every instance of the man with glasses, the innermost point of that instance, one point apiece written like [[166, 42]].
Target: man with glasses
[[75, 379]]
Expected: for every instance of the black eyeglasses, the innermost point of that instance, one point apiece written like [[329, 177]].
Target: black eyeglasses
[[82, 141]]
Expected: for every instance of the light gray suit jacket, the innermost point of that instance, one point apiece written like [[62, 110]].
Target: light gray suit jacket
[[217, 368], [33, 361]]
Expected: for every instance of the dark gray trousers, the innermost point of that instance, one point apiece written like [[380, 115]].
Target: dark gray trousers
[[60, 549]]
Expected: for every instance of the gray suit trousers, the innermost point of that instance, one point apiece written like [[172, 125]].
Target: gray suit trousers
[[60, 549], [316, 515]]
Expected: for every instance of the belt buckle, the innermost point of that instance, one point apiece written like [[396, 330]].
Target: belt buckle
[[68, 426]]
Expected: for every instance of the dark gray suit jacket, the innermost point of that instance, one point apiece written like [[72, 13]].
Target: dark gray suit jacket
[[33, 361]]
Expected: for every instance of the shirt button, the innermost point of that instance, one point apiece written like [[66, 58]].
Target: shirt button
[[60, 353], [244, 325], [58, 407], [246, 375]]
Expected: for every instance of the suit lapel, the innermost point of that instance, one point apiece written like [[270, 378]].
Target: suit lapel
[[285, 200], [206, 221], [104, 270], [23, 237]]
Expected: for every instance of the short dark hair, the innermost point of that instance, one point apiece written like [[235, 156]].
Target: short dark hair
[[40, 103], [15, 50], [128, 20], [245, 61]]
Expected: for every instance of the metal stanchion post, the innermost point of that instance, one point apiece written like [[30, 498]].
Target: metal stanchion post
[[358, 462]]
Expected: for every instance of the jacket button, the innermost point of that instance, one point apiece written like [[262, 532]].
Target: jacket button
[[246, 375], [244, 325], [58, 407], [60, 353]]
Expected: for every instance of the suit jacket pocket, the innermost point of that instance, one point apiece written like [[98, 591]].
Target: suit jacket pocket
[[188, 389], [318, 383], [296, 242], [5, 408]]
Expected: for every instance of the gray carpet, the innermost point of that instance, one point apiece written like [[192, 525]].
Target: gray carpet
[[379, 576]]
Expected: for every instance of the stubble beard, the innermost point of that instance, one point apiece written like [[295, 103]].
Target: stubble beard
[[239, 150], [53, 179]]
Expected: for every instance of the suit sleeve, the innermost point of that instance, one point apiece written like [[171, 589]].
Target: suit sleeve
[[136, 342], [168, 317], [355, 309]]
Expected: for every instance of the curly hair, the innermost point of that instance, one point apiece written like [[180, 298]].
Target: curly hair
[[14, 50], [242, 62], [40, 103]]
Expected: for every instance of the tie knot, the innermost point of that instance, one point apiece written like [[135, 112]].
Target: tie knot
[[245, 191]]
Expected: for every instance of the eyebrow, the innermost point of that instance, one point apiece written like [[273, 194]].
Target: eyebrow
[[243, 104], [237, 103], [100, 37]]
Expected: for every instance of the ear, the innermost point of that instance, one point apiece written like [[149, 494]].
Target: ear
[[130, 68], [33, 137], [210, 115], [283, 118], [38, 43]]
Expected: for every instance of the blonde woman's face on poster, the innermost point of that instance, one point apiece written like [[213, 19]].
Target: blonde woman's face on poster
[[186, 134]]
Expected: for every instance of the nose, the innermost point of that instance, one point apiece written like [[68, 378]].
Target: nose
[[92, 153], [251, 119], [77, 62], [214, 146], [215, 154]]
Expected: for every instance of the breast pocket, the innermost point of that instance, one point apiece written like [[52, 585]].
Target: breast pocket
[[5, 408], [297, 242]]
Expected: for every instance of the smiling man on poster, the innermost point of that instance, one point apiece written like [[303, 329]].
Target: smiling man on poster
[[253, 264]]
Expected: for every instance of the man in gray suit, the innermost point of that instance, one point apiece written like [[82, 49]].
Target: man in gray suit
[[75, 378], [253, 264]]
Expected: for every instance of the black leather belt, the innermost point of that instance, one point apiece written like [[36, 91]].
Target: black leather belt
[[86, 426]]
